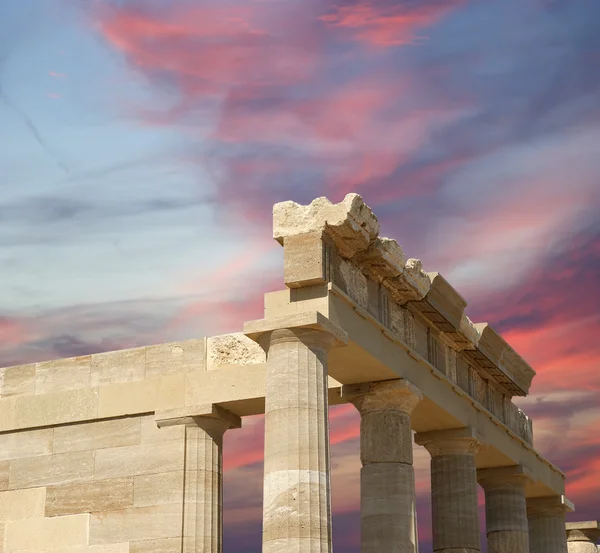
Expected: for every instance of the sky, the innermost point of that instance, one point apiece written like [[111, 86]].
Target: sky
[[144, 143]]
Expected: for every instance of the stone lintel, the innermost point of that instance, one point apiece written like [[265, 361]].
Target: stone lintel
[[449, 442], [397, 394], [190, 416], [308, 320], [548, 505], [589, 525], [506, 474], [583, 531]]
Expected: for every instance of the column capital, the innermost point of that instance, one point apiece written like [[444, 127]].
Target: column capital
[[398, 394], [515, 476], [209, 417], [548, 506], [454, 441], [583, 531], [312, 327]]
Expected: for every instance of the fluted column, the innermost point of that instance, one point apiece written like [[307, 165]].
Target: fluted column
[[505, 509], [583, 536], [203, 473], [297, 496], [547, 532], [387, 479], [453, 489]]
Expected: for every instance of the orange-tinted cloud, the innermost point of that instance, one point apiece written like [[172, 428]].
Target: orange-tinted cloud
[[55, 74], [387, 23]]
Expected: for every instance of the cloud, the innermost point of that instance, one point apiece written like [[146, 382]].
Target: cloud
[[389, 23]]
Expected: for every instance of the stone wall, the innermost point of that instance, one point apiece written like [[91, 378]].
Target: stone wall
[[107, 486]]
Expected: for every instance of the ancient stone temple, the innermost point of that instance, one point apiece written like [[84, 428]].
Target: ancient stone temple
[[121, 452]]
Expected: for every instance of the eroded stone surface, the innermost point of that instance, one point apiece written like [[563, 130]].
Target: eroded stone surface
[[233, 349], [351, 223]]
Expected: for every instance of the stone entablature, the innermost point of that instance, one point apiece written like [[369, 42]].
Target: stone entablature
[[340, 243]]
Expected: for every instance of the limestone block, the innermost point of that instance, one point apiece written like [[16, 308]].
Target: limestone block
[[144, 396], [166, 545], [158, 489], [7, 413], [89, 497], [151, 432], [136, 524], [118, 366], [175, 357], [2, 531], [57, 408], [351, 224], [51, 470], [96, 435], [147, 458], [306, 260], [4, 469], [30, 443], [108, 548], [21, 504], [46, 533], [233, 349], [62, 375], [18, 381]]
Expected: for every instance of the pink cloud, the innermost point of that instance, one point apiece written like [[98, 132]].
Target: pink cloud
[[388, 24]]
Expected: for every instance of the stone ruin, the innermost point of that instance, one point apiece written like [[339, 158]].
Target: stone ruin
[[120, 452]]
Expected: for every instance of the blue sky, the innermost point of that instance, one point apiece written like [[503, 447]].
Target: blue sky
[[145, 142]]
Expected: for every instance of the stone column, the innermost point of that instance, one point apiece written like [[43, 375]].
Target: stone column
[[547, 524], [297, 496], [582, 536], [455, 516], [505, 509], [387, 479], [203, 474]]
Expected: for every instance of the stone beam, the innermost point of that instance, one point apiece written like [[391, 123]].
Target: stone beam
[[340, 244]]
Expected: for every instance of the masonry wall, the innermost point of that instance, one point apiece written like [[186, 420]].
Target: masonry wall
[[110, 486]]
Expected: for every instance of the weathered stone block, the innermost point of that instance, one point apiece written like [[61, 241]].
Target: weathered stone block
[[167, 545], [305, 260], [47, 533], [21, 504], [57, 408], [96, 435], [29, 443], [7, 413], [145, 396], [175, 357], [149, 458], [136, 524], [51, 470], [108, 548], [18, 381], [158, 489], [89, 497], [4, 469], [233, 349], [62, 375], [118, 366]]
